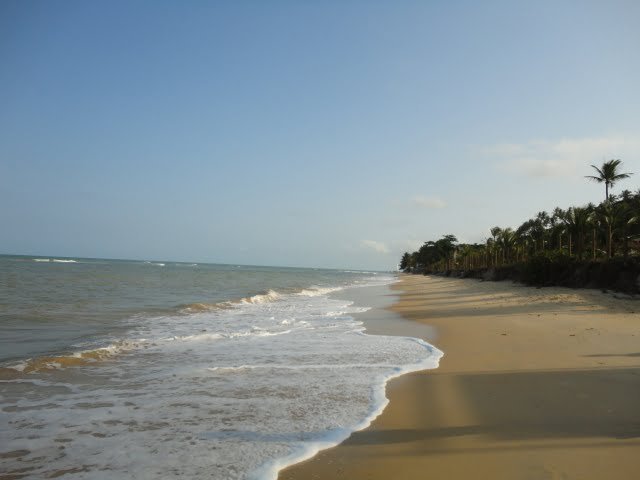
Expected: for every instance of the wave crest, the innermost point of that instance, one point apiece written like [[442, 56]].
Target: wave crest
[[56, 362], [200, 307], [318, 291], [270, 296]]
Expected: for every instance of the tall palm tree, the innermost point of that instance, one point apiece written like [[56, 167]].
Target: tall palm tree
[[539, 226], [558, 227], [495, 232], [577, 220], [525, 237], [629, 218], [616, 217], [506, 241], [609, 175]]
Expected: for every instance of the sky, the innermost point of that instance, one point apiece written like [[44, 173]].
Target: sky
[[297, 133]]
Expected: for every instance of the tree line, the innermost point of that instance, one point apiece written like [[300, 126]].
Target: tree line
[[590, 232]]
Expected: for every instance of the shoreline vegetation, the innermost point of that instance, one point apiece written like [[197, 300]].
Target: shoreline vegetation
[[592, 246]]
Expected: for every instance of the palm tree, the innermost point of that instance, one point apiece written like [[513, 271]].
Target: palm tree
[[538, 228], [609, 175], [616, 218], [557, 222], [405, 262], [495, 232], [577, 220], [629, 218], [507, 241], [526, 238]]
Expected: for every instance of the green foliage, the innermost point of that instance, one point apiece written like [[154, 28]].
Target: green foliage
[[546, 268], [546, 244], [608, 174]]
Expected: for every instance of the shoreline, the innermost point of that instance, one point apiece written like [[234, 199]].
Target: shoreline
[[535, 383], [379, 299]]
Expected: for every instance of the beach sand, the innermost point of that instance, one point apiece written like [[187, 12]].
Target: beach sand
[[534, 384]]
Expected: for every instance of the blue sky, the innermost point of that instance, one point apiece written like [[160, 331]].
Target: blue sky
[[331, 134]]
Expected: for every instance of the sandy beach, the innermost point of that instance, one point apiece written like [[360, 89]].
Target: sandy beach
[[534, 384]]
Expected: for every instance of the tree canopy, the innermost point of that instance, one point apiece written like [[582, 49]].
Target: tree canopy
[[594, 232]]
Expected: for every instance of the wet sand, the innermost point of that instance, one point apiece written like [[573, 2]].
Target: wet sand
[[534, 384]]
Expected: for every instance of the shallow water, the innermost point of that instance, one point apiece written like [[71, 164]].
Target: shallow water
[[138, 370]]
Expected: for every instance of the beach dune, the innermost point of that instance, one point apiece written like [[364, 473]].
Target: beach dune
[[534, 384]]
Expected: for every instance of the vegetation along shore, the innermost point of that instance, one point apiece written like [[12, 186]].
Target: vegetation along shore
[[594, 246]]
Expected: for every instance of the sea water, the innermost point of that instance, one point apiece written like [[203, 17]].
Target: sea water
[[153, 369]]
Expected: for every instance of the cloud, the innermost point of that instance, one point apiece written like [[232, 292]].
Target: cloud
[[375, 246], [561, 158], [410, 245], [428, 202]]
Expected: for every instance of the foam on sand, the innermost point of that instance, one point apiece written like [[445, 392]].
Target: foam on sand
[[269, 471]]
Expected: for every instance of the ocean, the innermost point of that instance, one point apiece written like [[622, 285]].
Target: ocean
[[154, 369]]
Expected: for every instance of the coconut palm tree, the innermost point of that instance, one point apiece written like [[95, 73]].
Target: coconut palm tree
[[628, 218], [609, 175], [506, 241], [558, 227], [577, 220], [495, 232], [614, 217], [539, 227], [526, 238]]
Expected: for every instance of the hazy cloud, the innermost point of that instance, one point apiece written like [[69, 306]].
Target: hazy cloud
[[410, 245], [375, 246], [561, 158], [428, 202]]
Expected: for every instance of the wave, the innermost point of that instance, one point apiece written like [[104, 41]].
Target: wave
[[85, 357], [268, 297], [55, 260], [199, 337], [275, 352], [57, 362], [257, 332], [318, 291], [200, 307]]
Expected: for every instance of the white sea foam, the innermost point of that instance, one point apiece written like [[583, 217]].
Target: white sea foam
[[360, 271], [270, 296], [317, 291], [41, 259], [63, 260], [228, 393]]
